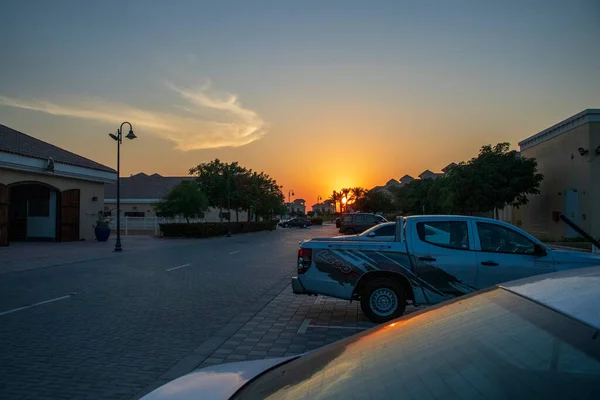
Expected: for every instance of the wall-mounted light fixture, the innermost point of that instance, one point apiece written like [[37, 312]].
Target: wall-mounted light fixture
[[582, 151]]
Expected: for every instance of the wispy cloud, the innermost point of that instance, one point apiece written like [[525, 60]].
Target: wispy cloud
[[209, 121]]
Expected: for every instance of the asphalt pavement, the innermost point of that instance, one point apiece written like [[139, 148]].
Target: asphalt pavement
[[109, 326]]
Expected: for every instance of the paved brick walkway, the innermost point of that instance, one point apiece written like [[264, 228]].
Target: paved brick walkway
[[287, 325]]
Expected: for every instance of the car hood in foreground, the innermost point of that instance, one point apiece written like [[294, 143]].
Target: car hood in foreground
[[214, 383], [575, 257]]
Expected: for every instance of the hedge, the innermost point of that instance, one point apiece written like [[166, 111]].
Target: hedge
[[316, 221], [209, 229]]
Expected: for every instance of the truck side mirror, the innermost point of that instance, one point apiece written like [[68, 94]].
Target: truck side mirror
[[539, 250]]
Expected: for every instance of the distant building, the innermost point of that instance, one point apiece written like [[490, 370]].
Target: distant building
[[141, 192], [326, 207], [568, 155], [449, 167], [406, 179], [297, 206], [47, 193], [427, 174]]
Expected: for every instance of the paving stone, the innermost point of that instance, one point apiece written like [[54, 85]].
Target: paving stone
[[257, 353], [236, 357]]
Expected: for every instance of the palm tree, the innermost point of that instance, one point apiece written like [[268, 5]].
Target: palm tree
[[346, 194], [336, 197], [357, 193]]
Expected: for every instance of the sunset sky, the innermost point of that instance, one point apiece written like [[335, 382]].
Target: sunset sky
[[318, 94]]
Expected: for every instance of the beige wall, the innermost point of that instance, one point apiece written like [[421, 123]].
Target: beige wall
[[211, 215], [88, 209], [565, 169], [595, 180]]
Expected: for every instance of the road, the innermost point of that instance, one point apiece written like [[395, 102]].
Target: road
[[108, 328]]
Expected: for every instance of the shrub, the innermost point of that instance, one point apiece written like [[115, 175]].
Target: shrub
[[210, 229], [316, 221]]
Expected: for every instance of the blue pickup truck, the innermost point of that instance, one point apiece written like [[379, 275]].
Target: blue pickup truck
[[431, 259]]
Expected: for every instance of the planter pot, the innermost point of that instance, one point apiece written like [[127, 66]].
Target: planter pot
[[102, 233]]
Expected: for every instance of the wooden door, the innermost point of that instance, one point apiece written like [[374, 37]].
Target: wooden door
[[69, 215], [3, 215]]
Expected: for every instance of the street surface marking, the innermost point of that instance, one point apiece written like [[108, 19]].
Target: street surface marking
[[36, 304], [304, 325], [234, 252], [181, 266]]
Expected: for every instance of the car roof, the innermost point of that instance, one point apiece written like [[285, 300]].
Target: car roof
[[456, 218], [575, 293]]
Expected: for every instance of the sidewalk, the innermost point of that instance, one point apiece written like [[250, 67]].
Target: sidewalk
[[287, 325], [23, 256]]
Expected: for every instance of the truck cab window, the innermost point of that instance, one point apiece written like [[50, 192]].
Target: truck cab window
[[453, 234], [499, 239], [387, 230]]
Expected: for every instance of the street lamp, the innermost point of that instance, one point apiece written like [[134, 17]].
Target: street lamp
[[119, 138], [290, 193]]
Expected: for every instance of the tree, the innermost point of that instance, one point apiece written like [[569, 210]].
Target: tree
[[336, 197], [357, 194], [233, 186], [375, 201], [345, 195], [495, 178], [185, 199]]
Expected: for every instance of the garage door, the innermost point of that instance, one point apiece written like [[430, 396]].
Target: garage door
[[69, 215], [3, 215]]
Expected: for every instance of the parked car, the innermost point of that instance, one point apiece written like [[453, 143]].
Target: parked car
[[386, 231], [353, 223], [298, 222], [432, 259], [529, 339]]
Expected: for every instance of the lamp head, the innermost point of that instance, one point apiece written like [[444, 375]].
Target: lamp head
[[131, 135]]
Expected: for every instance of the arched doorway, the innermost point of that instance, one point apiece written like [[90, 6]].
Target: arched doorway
[[33, 211]]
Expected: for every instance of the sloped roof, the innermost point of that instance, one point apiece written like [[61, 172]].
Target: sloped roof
[[15, 142], [406, 178], [142, 186], [447, 167], [392, 182], [427, 173]]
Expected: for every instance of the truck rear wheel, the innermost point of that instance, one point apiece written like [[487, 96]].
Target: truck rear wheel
[[349, 231], [383, 299]]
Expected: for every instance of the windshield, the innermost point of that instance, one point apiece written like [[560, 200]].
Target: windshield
[[492, 345]]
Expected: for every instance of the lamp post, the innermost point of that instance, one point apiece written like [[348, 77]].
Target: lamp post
[[119, 138], [228, 205], [290, 194], [319, 198]]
